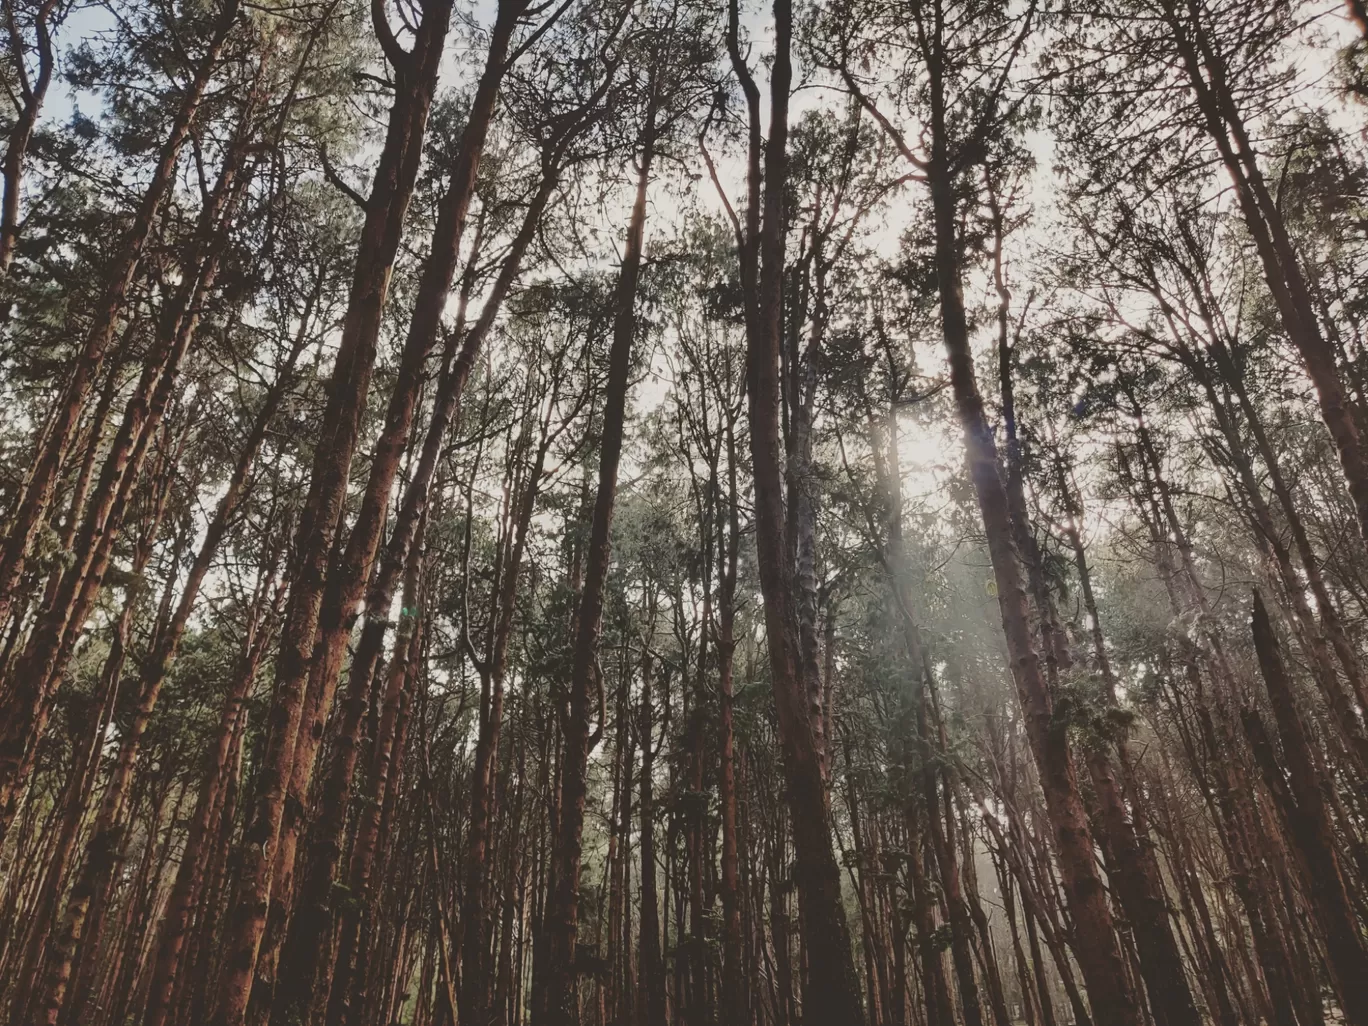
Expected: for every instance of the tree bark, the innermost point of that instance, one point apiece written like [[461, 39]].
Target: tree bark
[[562, 921], [32, 91], [416, 75], [28, 517], [832, 995]]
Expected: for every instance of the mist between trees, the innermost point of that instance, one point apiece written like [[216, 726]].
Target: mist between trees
[[643, 512]]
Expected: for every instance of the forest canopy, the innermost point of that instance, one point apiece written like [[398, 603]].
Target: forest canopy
[[644, 512]]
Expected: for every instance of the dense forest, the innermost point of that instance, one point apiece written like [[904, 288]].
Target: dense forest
[[643, 512]]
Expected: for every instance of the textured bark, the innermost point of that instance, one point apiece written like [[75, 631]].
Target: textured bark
[[39, 670], [33, 87], [735, 993], [651, 994], [1225, 124], [1136, 878], [111, 824], [477, 971], [309, 955], [90, 888], [347, 580], [348, 965], [75, 801], [416, 75], [307, 966], [1099, 953], [188, 887]]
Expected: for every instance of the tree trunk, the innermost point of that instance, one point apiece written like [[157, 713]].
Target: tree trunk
[[32, 92], [651, 965], [1099, 953], [1282, 269], [190, 875], [28, 517], [416, 75], [833, 995], [562, 923]]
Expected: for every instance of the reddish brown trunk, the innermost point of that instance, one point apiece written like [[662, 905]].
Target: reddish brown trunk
[[1137, 880], [108, 836], [32, 92], [416, 75], [190, 875], [309, 962], [651, 994], [1282, 268], [75, 801], [404, 673], [1099, 953], [40, 668], [476, 914], [1248, 880]]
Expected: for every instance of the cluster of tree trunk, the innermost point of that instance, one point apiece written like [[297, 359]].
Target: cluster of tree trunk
[[533, 523]]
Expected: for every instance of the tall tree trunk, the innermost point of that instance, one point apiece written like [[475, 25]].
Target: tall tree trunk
[[348, 963], [75, 802], [32, 91], [307, 969], [1136, 877], [651, 993], [187, 889], [735, 993], [833, 995], [40, 668], [108, 839], [562, 923], [1281, 266], [476, 913], [1098, 949], [416, 77]]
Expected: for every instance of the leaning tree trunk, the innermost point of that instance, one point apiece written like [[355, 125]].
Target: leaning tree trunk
[[40, 669], [187, 889], [32, 92], [308, 953], [416, 78], [26, 520], [1098, 949], [1282, 269]]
